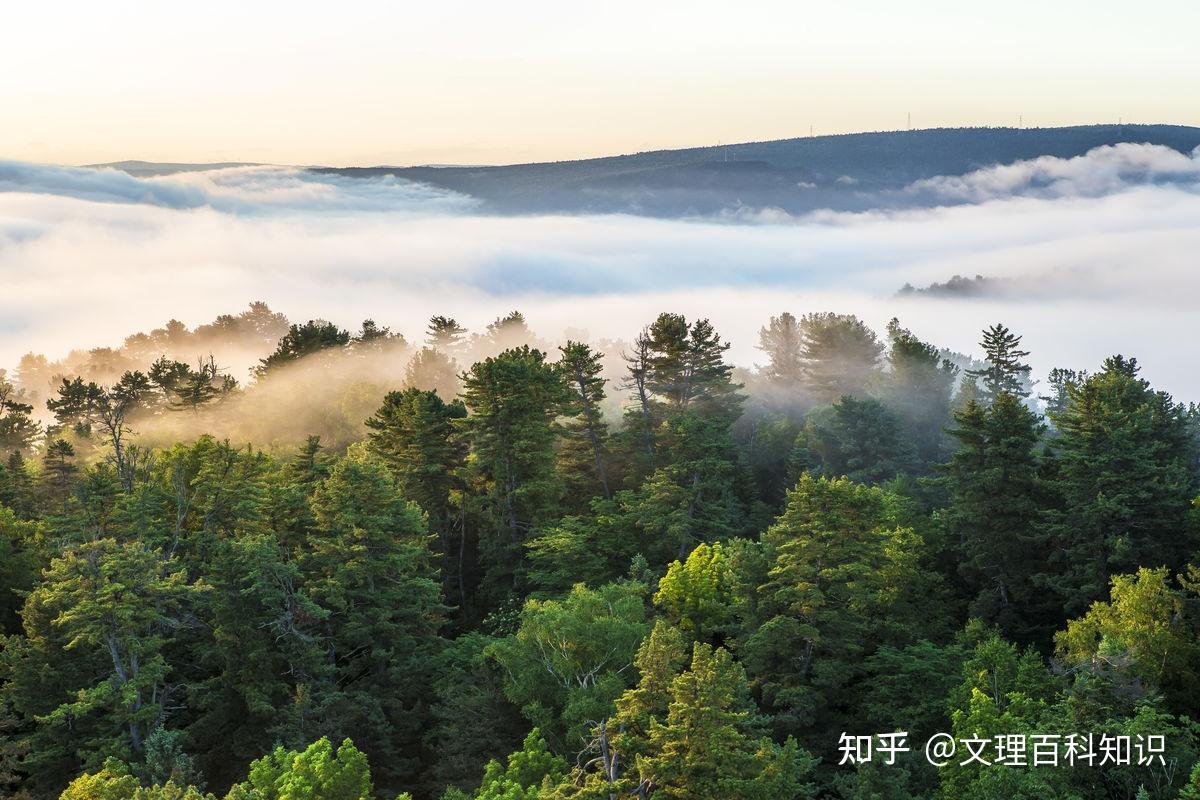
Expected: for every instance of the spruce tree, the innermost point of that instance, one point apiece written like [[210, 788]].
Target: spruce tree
[[708, 744], [368, 563]]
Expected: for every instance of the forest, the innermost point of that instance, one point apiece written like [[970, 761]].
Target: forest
[[266, 560]]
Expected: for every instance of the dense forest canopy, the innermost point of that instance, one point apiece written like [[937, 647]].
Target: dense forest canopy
[[268, 560]]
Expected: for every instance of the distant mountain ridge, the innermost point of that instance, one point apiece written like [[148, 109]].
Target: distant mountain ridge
[[149, 169], [840, 172]]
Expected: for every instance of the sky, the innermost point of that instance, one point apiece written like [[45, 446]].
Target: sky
[[361, 83]]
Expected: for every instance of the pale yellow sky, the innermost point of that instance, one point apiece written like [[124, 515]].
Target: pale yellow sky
[[456, 82]]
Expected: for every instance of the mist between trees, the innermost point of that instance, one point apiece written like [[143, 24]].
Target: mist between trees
[[262, 559]]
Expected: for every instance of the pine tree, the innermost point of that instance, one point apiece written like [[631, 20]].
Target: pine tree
[[319, 771], [368, 563], [842, 576], [686, 370], [782, 341], [858, 439], [304, 340], [583, 456], [527, 769], [16, 486], [431, 370], [414, 433], [839, 356], [918, 389], [119, 600], [513, 399], [639, 415], [1005, 372], [58, 471], [445, 335], [708, 744], [996, 498], [1125, 476], [18, 431]]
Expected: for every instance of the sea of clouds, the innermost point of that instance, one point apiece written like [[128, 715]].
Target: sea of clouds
[[1101, 253]]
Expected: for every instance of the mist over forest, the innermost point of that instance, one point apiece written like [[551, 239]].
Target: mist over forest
[[338, 485]]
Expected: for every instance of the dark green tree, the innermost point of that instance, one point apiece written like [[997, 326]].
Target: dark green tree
[[445, 335], [1005, 372], [583, 453], [841, 576], [858, 439], [996, 500], [513, 399], [369, 564], [708, 743], [304, 340], [414, 433], [1125, 477], [18, 430]]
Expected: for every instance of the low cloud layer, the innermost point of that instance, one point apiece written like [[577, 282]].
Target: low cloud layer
[[1100, 251], [244, 190], [1102, 171]]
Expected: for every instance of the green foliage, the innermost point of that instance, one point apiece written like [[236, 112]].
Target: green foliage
[[112, 782], [918, 390], [996, 495], [1005, 372], [304, 340], [839, 356], [212, 616], [841, 575], [368, 562], [697, 595], [1126, 481], [706, 746], [570, 659], [525, 773], [782, 341], [118, 600], [513, 399], [317, 773], [18, 430], [857, 439], [583, 458], [1147, 631]]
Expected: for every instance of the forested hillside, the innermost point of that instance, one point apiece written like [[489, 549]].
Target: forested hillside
[[847, 172], [265, 560]]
